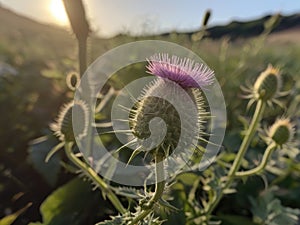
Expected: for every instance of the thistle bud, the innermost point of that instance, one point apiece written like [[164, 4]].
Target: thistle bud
[[150, 107], [281, 132], [182, 113], [73, 80], [63, 127], [267, 85]]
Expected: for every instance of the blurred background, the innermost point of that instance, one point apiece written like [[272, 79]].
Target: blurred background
[[109, 18], [238, 39]]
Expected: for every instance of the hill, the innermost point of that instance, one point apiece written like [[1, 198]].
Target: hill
[[237, 29], [19, 34], [13, 22]]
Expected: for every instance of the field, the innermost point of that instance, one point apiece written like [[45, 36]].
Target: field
[[34, 61]]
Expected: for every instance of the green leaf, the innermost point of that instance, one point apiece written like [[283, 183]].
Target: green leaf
[[38, 151], [229, 191], [53, 74], [129, 192], [68, 204], [152, 220], [188, 178], [134, 154], [167, 205], [110, 222], [180, 202], [53, 151], [8, 220], [117, 220], [232, 140], [268, 210]]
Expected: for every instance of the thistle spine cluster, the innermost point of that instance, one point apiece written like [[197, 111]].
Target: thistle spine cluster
[[63, 127], [268, 84], [282, 131]]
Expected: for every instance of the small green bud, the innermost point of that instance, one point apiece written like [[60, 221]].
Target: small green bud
[[267, 84], [63, 127], [73, 80], [281, 132]]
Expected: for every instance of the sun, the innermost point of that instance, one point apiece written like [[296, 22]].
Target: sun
[[57, 10]]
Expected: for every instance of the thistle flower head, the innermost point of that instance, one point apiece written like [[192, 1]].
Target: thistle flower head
[[63, 127], [281, 132], [183, 71], [268, 84], [149, 107]]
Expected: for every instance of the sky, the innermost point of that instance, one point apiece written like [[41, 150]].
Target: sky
[[110, 17]]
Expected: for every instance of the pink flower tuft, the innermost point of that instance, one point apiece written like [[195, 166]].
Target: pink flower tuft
[[183, 71]]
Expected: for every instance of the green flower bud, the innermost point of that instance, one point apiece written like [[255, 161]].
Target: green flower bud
[[149, 107], [63, 127], [267, 84], [282, 131], [73, 80]]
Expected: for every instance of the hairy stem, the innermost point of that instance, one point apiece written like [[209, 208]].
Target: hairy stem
[[240, 155], [261, 166], [94, 176], [159, 189]]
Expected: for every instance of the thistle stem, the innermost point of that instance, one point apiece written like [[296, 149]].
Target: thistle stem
[[94, 176], [82, 55], [261, 166], [159, 189], [247, 140], [240, 155]]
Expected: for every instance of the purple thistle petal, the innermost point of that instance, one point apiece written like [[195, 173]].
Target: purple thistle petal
[[183, 71]]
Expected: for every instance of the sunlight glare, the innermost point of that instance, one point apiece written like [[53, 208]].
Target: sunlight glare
[[57, 10]]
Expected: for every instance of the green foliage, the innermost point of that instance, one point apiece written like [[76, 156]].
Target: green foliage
[[124, 220], [117, 220], [268, 210], [70, 204], [129, 192], [10, 219]]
